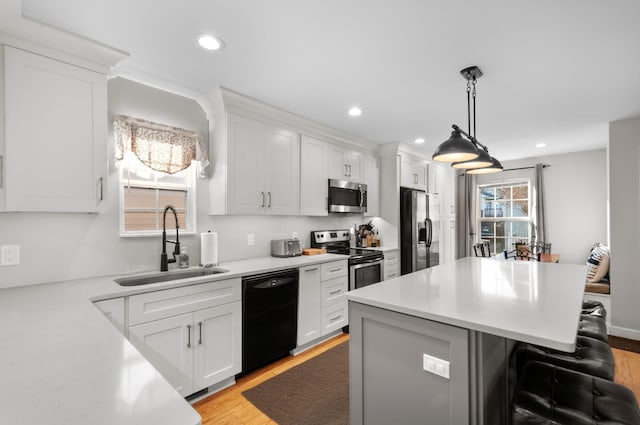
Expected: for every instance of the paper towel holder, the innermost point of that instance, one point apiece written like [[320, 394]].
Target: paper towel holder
[[212, 264]]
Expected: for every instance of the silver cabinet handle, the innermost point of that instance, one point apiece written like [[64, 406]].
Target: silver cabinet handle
[[335, 270], [188, 336], [99, 187], [262, 195], [333, 319], [337, 291], [269, 197], [310, 270], [200, 338], [349, 170], [346, 174]]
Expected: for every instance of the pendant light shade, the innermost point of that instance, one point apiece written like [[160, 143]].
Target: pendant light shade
[[483, 160], [456, 149], [495, 167], [462, 149]]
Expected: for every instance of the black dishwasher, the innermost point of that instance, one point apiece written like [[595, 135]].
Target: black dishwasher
[[269, 317]]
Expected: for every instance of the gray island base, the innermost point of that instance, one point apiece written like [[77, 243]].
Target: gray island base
[[433, 347]]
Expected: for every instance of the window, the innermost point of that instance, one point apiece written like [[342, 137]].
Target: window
[[504, 215], [145, 193]]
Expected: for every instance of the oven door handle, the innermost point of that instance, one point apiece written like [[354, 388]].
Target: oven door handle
[[365, 263]]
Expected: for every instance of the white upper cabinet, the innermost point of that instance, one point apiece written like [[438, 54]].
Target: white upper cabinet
[[413, 173], [345, 164], [372, 180], [433, 177], [263, 168], [314, 176], [55, 135]]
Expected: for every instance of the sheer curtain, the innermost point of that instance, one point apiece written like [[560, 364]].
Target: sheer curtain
[[466, 223], [539, 231], [159, 146]]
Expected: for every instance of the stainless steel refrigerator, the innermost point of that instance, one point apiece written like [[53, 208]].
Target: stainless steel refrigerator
[[419, 231]]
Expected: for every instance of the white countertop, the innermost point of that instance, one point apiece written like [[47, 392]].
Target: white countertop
[[63, 363], [526, 301]]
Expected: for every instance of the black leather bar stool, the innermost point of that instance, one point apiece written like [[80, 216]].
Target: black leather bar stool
[[593, 327], [594, 308], [548, 394], [591, 356]]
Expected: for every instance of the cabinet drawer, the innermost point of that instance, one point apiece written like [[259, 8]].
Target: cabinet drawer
[[391, 273], [333, 270], [171, 302], [391, 257], [335, 317], [333, 290]]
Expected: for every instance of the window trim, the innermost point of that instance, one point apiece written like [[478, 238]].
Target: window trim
[[480, 219], [189, 187]]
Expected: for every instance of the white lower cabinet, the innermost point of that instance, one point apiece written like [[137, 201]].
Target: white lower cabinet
[[196, 349], [322, 307], [391, 264]]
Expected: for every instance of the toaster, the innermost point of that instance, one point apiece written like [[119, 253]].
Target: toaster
[[286, 248]]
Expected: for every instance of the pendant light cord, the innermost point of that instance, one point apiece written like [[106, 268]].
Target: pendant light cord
[[474, 108], [469, 106]]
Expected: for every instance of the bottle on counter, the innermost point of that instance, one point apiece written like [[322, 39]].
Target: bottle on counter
[[183, 260]]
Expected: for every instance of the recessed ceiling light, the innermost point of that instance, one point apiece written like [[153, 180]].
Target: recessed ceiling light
[[210, 42], [355, 111], [419, 140], [540, 145]]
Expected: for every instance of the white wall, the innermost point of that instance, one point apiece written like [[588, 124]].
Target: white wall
[[624, 193], [575, 196], [55, 247]]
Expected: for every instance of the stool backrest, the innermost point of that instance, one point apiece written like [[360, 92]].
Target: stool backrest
[[482, 249]]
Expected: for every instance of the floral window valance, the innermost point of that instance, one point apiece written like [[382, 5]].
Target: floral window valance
[[158, 146]]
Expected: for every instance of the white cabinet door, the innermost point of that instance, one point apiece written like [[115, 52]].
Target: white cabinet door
[[391, 264], [314, 176], [56, 134], [281, 171], [335, 317], [345, 164], [167, 345], [309, 303], [263, 168], [244, 138], [413, 174], [218, 344], [372, 180]]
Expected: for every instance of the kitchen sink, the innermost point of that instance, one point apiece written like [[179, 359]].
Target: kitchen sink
[[168, 276]]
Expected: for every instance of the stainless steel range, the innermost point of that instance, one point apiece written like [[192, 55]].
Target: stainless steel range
[[366, 266]]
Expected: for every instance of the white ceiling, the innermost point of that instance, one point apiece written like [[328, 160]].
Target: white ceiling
[[554, 71]]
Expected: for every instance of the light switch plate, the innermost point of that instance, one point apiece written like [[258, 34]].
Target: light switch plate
[[435, 365], [250, 239], [9, 255]]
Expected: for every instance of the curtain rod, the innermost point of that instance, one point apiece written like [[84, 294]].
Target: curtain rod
[[519, 168]]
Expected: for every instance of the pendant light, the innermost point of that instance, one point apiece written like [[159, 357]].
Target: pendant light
[[461, 149]]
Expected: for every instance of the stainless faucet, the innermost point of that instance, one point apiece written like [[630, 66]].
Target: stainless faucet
[[164, 261]]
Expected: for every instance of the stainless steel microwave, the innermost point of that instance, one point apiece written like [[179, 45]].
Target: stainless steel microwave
[[347, 197]]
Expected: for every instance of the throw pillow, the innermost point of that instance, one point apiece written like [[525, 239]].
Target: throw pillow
[[598, 263]]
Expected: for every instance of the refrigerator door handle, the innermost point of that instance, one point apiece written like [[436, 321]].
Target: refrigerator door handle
[[429, 226]]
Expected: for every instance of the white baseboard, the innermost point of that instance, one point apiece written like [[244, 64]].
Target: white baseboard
[[624, 332]]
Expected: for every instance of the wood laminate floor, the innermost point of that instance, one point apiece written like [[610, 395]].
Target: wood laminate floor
[[229, 407]]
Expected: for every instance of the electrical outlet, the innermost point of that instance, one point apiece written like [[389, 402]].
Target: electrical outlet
[[250, 239], [435, 365], [9, 255]]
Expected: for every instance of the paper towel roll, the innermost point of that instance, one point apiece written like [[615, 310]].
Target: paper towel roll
[[209, 249]]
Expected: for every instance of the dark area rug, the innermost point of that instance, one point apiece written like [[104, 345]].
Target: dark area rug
[[624, 344], [315, 392]]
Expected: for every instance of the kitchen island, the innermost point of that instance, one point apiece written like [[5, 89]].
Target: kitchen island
[[433, 346]]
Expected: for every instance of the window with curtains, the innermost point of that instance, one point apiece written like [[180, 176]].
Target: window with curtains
[[157, 167], [504, 214], [145, 193]]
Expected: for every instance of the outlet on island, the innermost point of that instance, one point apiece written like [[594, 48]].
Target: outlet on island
[[250, 239]]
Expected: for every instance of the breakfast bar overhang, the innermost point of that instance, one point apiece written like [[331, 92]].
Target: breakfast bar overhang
[[433, 346]]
